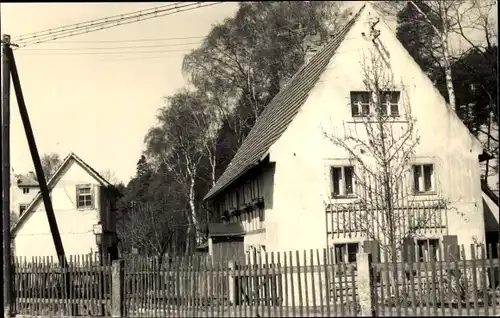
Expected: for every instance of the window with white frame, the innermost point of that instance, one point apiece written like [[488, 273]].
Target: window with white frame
[[423, 178], [84, 196], [346, 252], [342, 179], [360, 103], [390, 102], [26, 190], [427, 249]]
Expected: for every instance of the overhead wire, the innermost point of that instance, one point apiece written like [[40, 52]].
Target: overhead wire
[[90, 22], [111, 23], [34, 36], [131, 49], [112, 48], [106, 25], [131, 40]]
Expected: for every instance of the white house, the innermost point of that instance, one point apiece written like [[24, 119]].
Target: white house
[[81, 198], [282, 184], [23, 189]]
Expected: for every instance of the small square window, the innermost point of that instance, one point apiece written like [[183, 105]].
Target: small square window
[[390, 102], [360, 103], [346, 252], [26, 190], [342, 181], [84, 197], [428, 249], [423, 178]]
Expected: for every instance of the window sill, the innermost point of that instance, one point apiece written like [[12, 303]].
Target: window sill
[[363, 119], [85, 208], [343, 197], [424, 194]]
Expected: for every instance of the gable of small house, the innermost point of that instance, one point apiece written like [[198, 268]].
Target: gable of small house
[[75, 220]]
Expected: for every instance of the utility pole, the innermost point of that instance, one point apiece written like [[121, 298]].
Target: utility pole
[[7, 257]]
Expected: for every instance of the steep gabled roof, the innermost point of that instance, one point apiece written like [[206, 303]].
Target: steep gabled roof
[[53, 181], [280, 112]]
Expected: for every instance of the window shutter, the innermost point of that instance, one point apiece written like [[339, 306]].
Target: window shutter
[[76, 197], [373, 248], [450, 245], [93, 192], [409, 250]]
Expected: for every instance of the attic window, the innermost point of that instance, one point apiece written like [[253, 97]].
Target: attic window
[[360, 103], [26, 190], [84, 197], [390, 103]]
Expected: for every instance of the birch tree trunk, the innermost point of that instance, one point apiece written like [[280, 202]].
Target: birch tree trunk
[[447, 70]]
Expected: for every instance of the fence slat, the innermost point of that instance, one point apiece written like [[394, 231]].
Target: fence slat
[[484, 281], [474, 279], [299, 283], [320, 283]]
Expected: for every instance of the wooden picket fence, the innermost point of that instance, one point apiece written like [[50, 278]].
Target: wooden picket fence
[[43, 287], [445, 285], [285, 284]]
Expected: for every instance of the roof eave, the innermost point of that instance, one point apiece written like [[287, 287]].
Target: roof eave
[[209, 195]]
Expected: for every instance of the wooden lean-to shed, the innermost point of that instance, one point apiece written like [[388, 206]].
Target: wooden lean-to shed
[[225, 242]]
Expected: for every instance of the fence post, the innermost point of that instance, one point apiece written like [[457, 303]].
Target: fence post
[[365, 284], [117, 299], [231, 290]]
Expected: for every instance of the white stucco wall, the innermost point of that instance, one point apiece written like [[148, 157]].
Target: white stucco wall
[[75, 226], [302, 154], [18, 197]]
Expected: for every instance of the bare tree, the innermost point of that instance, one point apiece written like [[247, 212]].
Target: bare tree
[[381, 153], [50, 163], [110, 176], [147, 228]]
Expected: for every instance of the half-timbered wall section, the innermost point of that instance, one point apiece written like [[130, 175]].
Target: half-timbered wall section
[[244, 203]]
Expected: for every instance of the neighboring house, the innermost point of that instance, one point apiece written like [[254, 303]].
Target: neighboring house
[[81, 198], [23, 188], [278, 184]]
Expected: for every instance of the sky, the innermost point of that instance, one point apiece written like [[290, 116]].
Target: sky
[[99, 106]]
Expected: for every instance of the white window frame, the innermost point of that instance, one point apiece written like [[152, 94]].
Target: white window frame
[[342, 185], [388, 103], [360, 105], [26, 190], [79, 189], [345, 252], [421, 181], [370, 105]]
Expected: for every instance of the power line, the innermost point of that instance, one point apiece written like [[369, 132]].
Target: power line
[[67, 27], [107, 25], [106, 53], [132, 40], [91, 26], [113, 47]]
